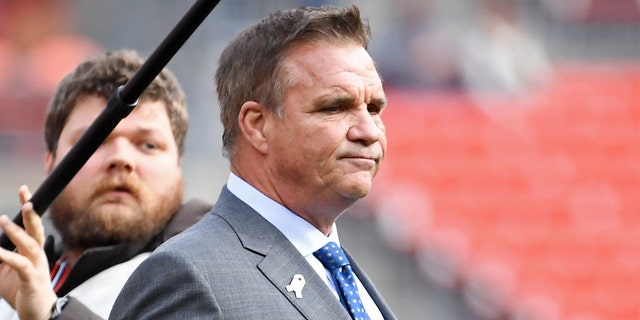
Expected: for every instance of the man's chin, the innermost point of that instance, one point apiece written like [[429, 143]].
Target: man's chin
[[117, 217], [357, 188]]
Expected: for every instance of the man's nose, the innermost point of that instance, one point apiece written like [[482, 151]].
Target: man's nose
[[366, 128], [120, 155]]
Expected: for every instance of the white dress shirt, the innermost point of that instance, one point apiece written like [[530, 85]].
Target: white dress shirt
[[304, 236]]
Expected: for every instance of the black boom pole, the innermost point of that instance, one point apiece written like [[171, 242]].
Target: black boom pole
[[120, 104]]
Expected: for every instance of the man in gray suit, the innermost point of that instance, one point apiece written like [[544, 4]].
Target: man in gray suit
[[300, 103]]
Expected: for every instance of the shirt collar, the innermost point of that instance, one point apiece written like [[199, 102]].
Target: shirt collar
[[304, 236]]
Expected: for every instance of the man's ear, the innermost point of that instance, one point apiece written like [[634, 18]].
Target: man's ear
[[49, 160], [252, 120]]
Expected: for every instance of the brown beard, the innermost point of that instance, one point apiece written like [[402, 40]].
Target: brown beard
[[87, 220]]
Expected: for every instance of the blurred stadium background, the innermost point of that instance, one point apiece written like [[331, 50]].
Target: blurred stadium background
[[511, 189]]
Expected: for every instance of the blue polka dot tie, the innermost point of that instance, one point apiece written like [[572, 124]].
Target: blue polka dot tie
[[333, 258]]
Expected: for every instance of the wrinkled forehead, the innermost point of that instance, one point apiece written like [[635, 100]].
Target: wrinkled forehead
[[311, 63]]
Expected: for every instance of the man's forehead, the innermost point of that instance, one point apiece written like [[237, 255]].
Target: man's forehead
[[146, 115], [320, 58]]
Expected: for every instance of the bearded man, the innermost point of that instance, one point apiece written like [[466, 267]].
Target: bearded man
[[124, 202]]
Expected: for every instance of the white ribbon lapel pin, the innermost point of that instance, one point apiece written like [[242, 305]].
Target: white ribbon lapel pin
[[296, 285]]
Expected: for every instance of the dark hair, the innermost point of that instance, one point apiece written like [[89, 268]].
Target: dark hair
[[251, 66], [101, 75]]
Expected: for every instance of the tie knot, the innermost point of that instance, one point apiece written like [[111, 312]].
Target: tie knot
[[331, 256]]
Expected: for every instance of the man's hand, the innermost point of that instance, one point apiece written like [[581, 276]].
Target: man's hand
[[26, 284]]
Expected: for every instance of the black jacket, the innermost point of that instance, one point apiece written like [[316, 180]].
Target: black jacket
[[96, 260]]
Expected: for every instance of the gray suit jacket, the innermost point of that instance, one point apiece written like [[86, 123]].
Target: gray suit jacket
[[233, 264]]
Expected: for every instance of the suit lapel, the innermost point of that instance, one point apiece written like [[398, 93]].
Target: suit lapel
[[317, 301], [281, 260]]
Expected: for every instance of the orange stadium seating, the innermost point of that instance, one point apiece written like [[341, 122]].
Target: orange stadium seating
[[529, 204]]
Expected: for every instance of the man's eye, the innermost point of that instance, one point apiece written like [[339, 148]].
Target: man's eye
[[331, 110], [149, 146], [373, 109]]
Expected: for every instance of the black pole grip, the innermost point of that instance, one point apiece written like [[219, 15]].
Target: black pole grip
[[120, 104]]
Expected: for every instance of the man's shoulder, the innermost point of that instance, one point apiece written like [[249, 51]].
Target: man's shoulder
[[210, 228], [187, 215]]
